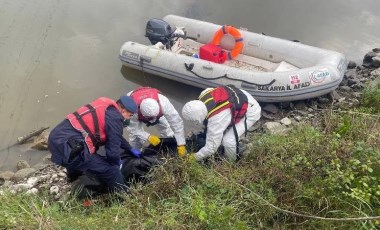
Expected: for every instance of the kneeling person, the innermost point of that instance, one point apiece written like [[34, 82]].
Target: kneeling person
[[154, 109], [227, 113], [75, 141]]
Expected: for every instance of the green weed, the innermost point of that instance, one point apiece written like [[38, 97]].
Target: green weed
[[327, 171], [371, 99]]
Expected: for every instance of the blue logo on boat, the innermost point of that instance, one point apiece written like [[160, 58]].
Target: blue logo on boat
[[318, 76]]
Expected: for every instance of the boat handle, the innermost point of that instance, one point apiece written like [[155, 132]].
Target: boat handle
[[208, 67]]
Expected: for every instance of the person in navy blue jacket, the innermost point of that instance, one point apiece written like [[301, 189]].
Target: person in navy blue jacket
[[74, 142]]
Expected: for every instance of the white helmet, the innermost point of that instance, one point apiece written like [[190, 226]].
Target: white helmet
[[149, 108], [194, 111]]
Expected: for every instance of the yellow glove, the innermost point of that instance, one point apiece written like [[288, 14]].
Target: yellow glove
[[154, 140], [181, 150]]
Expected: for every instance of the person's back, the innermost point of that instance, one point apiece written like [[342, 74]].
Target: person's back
[[75, 141], [225, 118]]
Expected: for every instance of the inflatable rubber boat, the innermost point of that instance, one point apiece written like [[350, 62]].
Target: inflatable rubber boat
[[204, 54]]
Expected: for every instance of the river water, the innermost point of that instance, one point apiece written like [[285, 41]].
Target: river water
[[56, 55]]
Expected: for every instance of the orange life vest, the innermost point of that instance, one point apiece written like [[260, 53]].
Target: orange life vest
[[90, 121], [142, 93]]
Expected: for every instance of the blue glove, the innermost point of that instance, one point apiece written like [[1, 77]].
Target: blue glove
[[136, 152]]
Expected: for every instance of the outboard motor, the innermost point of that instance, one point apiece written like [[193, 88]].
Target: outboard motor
[[158, 30]]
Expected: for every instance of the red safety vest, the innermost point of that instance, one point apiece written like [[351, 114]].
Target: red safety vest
[[90, 121], [142, 93], [225, 97]]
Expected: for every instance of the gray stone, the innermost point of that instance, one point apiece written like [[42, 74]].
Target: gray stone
[[358, 86], [62, 174], [367, 60], [7, 175], [341, 99], [351, 65], [375, 82], [267, 115], [286, 121], [300, 113], [7, 184], [32, 181], [352, 82], [23, 173], [313, 104], [54, 190], [285, 105], [22, 164], [55, 175], [270, 108], [376, 62], [44, 186], [363, 80], [345, 88], [376, 72], [272, 125], [350, 74], [298, 118], [343, 82], [355, 101], [300, 105], [32, 191], [360, 67], [44, 177], [40, 166], [20, 187], [40, 143], [276, 128], [357, 94]]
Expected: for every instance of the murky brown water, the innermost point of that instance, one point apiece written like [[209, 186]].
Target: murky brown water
[[56, 55]]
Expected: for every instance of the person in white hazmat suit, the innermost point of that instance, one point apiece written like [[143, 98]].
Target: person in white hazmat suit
[[154, 109], [227, 113]]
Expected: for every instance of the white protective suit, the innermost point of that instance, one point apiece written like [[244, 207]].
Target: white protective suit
[[218, 124], [170, 125]]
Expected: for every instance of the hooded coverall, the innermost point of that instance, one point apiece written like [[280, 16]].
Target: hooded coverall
[[220, 132], [169, 125]]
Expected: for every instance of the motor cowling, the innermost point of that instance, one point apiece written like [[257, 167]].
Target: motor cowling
[[158, 30]]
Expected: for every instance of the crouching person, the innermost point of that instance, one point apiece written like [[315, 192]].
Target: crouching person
[[75, 141], [226, 113], [155, 109]]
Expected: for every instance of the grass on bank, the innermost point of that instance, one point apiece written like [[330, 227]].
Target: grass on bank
[[327, 171]]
